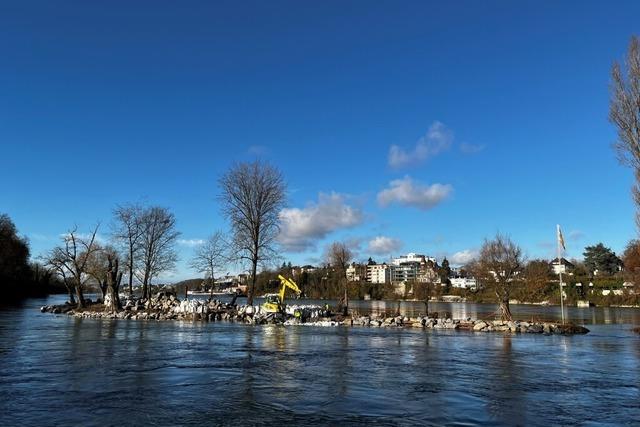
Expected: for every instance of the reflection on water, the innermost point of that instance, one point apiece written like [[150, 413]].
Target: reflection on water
[[61, 370]]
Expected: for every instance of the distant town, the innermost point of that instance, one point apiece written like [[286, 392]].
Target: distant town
[[601, 278]]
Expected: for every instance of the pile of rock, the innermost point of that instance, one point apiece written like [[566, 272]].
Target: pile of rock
[[57, 309], [527, 327], [165, 306]]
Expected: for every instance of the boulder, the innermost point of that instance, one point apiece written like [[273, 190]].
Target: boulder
[[535, 328], [570, 329], [480, 325]]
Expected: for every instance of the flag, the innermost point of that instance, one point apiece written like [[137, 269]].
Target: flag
[[561, 239]]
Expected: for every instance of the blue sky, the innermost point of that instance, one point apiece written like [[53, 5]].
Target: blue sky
[[419, 126]]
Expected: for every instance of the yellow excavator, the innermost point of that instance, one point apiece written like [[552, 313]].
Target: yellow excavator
[[275, 302]]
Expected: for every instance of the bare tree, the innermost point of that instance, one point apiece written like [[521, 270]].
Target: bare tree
[[127, 231], [97, 266], [57, 265], [631, 259], [72, 260], [210, 257], [252, 195], [339, 256], [497, 267], [624, 113], [156, 245], [537, 275], [104, 267]]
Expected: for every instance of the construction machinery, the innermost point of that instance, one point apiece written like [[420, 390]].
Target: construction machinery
[[275, 302]]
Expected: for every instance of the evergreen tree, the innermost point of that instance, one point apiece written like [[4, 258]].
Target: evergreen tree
[[14, 254], [601, 258], [445, 271]]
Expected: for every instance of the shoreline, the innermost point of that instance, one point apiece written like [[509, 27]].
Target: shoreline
[[166, 307], [463, 300]]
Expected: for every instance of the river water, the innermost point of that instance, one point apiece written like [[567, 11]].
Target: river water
[[58, 370]]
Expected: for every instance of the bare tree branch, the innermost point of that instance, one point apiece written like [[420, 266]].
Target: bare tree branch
[[156, 245], [624, 113], [252, 195]]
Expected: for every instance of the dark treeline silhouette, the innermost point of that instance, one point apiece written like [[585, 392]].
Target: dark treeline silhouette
[[20, 278]]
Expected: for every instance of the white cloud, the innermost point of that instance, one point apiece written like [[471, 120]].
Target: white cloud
[[464, 257], [190, 242], [438, 139], [301, 228], [466, 148], [383, 245], [411, 193]]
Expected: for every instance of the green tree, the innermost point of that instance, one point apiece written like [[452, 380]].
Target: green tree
[[601, 258], [444, 272], [14, 255]]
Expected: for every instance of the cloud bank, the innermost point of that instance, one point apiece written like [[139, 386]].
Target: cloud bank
[[408, 192], [437, 139], [302, 228], [383, 245], [463, 257]]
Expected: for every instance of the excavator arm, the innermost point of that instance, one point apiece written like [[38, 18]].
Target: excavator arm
[[275, 303], [287, 283]]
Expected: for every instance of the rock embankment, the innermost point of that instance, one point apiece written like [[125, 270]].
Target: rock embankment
[[165, 306], [470, 325]]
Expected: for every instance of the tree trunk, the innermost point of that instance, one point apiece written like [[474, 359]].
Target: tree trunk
[[130, 271], [145, 285], [80, 296], [114, 278], [346, 298], [212, 286], [254, 270], [72, 299], [505, 311], [426, 300], [103, 289]]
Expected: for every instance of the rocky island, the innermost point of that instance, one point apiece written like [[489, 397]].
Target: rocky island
[[166, 306]]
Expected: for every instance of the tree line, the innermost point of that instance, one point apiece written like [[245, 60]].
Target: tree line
[[20, 277], [141, 245]]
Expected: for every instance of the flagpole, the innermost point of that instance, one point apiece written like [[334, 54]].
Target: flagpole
[[560, 274]]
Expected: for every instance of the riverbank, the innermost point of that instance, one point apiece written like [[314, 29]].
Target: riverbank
[[165, 307]]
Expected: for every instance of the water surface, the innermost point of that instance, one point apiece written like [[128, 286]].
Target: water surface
[[58, 370]]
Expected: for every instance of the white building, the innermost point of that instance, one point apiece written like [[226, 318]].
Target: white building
[[405, 272], [356, 272], [562, 266], [379, 273], [414, 267], [412, 257], [463, 282]]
